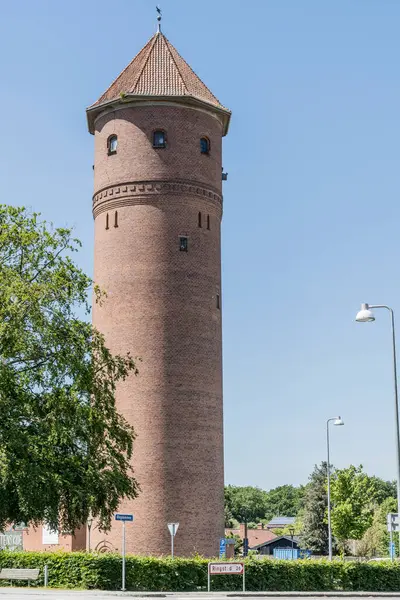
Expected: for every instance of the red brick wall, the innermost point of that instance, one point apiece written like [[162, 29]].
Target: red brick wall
[[32, 540], [162, 307]]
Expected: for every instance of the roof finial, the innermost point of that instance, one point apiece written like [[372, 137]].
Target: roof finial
[[159, 17]]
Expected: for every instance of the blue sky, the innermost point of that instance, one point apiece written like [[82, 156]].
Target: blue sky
[[311, 221]]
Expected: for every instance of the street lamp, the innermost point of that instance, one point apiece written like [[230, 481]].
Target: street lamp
[[338, 422], [89, 523], [363, 316], [291, 531]]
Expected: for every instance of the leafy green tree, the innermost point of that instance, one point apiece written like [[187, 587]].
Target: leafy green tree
[[64, 449], [285, 500], [355, 497], [375, 541], [245, 504], [315, 529]]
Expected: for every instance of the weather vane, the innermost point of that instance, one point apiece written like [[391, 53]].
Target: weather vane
[[159, 17]]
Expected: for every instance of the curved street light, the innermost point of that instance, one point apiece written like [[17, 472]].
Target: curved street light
[[364, 316], [338, 421]]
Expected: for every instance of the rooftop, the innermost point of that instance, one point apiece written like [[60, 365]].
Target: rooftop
[[158, 72]]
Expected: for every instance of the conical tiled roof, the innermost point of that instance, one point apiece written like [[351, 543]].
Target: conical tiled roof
[[158, 71]]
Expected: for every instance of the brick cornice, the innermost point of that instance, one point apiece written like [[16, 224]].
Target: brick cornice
[[141, 192]]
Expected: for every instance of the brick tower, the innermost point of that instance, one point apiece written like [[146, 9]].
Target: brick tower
[[157, 208]]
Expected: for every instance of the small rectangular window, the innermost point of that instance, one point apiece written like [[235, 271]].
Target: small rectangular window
[[208, 222], [218, 302], [183, 244]]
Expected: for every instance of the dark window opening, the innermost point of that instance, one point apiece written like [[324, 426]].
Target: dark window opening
[[208, 222], [200, 219], [204, 145], [159, 139], [218, 302], [107, 222], [116, 219], [183, 244], [112, 144]]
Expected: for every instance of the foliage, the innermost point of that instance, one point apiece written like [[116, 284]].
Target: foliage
[[103, 571], [245, 504], [315, 529], [375, 541], [355, 497], [64, 448], [285, 500]]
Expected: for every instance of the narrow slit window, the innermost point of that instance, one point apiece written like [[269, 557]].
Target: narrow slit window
[[116, 219], [204, 145], [199, 219], [208, 222], [107, 222], [218, 302], [112, 144], [183, 244], [159, 139]]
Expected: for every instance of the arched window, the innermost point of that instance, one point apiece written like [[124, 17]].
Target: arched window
[[112, 144], [204, 145], [199, 219], [159, 139]]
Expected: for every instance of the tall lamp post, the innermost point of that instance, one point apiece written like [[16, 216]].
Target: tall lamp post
[[291, 531], [366, 315], [89, 523], [338, 422]]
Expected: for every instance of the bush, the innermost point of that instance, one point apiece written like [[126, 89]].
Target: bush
[[103, 571]]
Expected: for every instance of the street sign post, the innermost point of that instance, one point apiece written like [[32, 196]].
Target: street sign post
[[222, 548], [226, 568], [392, 525], [124, 519], [173, 528]]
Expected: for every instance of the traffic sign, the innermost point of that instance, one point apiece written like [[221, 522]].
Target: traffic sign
[[226, 568], [393, 522], [392, 550], [222, 547], [124, 517], [173, 528]]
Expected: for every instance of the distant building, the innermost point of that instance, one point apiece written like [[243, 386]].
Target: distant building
[[281, 522], [284, 541], [255, 536]]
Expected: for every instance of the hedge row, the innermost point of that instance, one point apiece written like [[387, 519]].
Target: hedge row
[[103, 571]]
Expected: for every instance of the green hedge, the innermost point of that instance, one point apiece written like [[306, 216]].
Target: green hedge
[[103, 571]]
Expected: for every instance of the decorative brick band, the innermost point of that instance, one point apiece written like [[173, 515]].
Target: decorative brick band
[[139, 192]]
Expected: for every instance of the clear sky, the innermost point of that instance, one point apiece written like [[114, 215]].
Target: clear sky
[[311, 207]]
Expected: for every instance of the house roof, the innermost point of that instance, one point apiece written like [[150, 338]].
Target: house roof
[[281, 521], [296, 540], [158, 72], [255, 536]]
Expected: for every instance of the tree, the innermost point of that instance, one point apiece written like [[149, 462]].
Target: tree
[[64, 449], [315, 528], [285, 500], [355, 497], [245, 504], [375, 541]]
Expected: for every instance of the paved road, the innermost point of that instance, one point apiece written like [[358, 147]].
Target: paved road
[[41, 594]]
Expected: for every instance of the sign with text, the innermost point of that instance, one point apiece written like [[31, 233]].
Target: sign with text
[[222, 547], [11, 540], [228, 568], [124, 517]]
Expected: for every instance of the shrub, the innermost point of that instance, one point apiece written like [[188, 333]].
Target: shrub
[[103, 571]]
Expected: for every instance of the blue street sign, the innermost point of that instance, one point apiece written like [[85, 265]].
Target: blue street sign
[[222, 547], [392, 550], [124, 517]]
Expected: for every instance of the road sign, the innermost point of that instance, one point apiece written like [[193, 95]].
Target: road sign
[[226, 568], [392, 551], [222, 547], [173, 528], [124, 517], [393, 522]]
